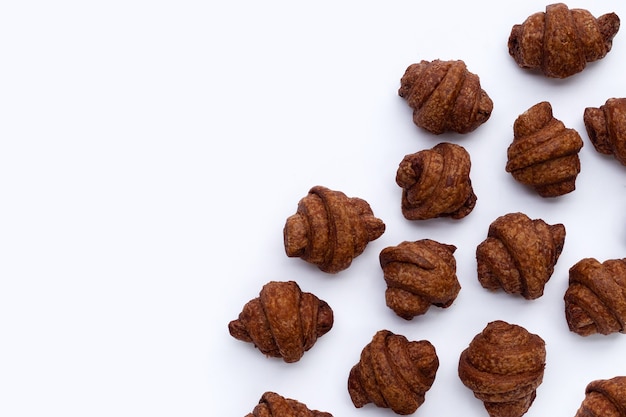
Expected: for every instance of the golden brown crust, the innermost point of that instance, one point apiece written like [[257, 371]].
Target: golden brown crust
[[274, 405], [561, 41], [544, 153], [283, 321], [445, 96], [330, 229], [519, 255], [419, 274], [604, 397], [503, 366], [436, 183], [595, 300], [393, 373], [606, 127]]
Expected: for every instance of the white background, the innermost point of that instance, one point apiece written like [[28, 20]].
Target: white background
[[150, 152]]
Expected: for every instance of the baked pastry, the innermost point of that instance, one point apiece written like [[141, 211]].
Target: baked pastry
[[503, 366], [606, 127], [330, 229], [445, 96], [419, 274], [561, 41], [519, 255], [283, 322], [605, 398], [393, 373], [595, 299], [436, 183], [544, 153], [274, 405]]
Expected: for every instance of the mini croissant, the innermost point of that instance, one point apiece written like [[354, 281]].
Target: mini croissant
[[445, 97], [503, 366], [604, 397], [606, 127], [274, 405], [283, 322], [595, 300], [393, 373], [544, 153], [436, 183], [561, 41], [519, 255], [419, 274], [330, 229]]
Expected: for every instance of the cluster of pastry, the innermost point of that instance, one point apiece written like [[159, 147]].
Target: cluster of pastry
[[504, 364]]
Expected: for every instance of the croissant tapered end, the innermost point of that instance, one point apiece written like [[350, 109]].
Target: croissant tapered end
[[419, 274], [436, 183], [544, 153], [595, 300], [606, 127], [330, 229], [561, 41], [503, 366], [604, 397], [393, 372], [283, 321], [445, 97], [275, 405], [519, 255]]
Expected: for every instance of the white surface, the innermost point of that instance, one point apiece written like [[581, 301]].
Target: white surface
[[152, 150]]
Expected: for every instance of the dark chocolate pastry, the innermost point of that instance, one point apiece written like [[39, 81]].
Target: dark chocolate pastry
[[544, 153], [561, 41], [519, 255], [605, 398], [393, 373], [436, 183], [445, 97], [283, 322], [606, 127], [503, 366], [330, 229], [274, 405], [595, 300], [419, 274]]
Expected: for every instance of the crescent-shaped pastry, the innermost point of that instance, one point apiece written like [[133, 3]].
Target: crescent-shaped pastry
[[606, 127], [436, 183], [445, 96], [275, 405], [519, 255], [419, 274], [544, 153], [330, 229], [503, 366], [393, 372], [561, 41], [595, 299], [283, 322]]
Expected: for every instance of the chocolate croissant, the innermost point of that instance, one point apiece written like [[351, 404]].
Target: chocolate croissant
[[606, 127], [544, 153], [283, 322], [503, 366], [561, 41], [519, 255], [436, 183], [595, 299], [393, 373], [604, 397], [274, 405], [330, 229], [419, 274], [445, 97]]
